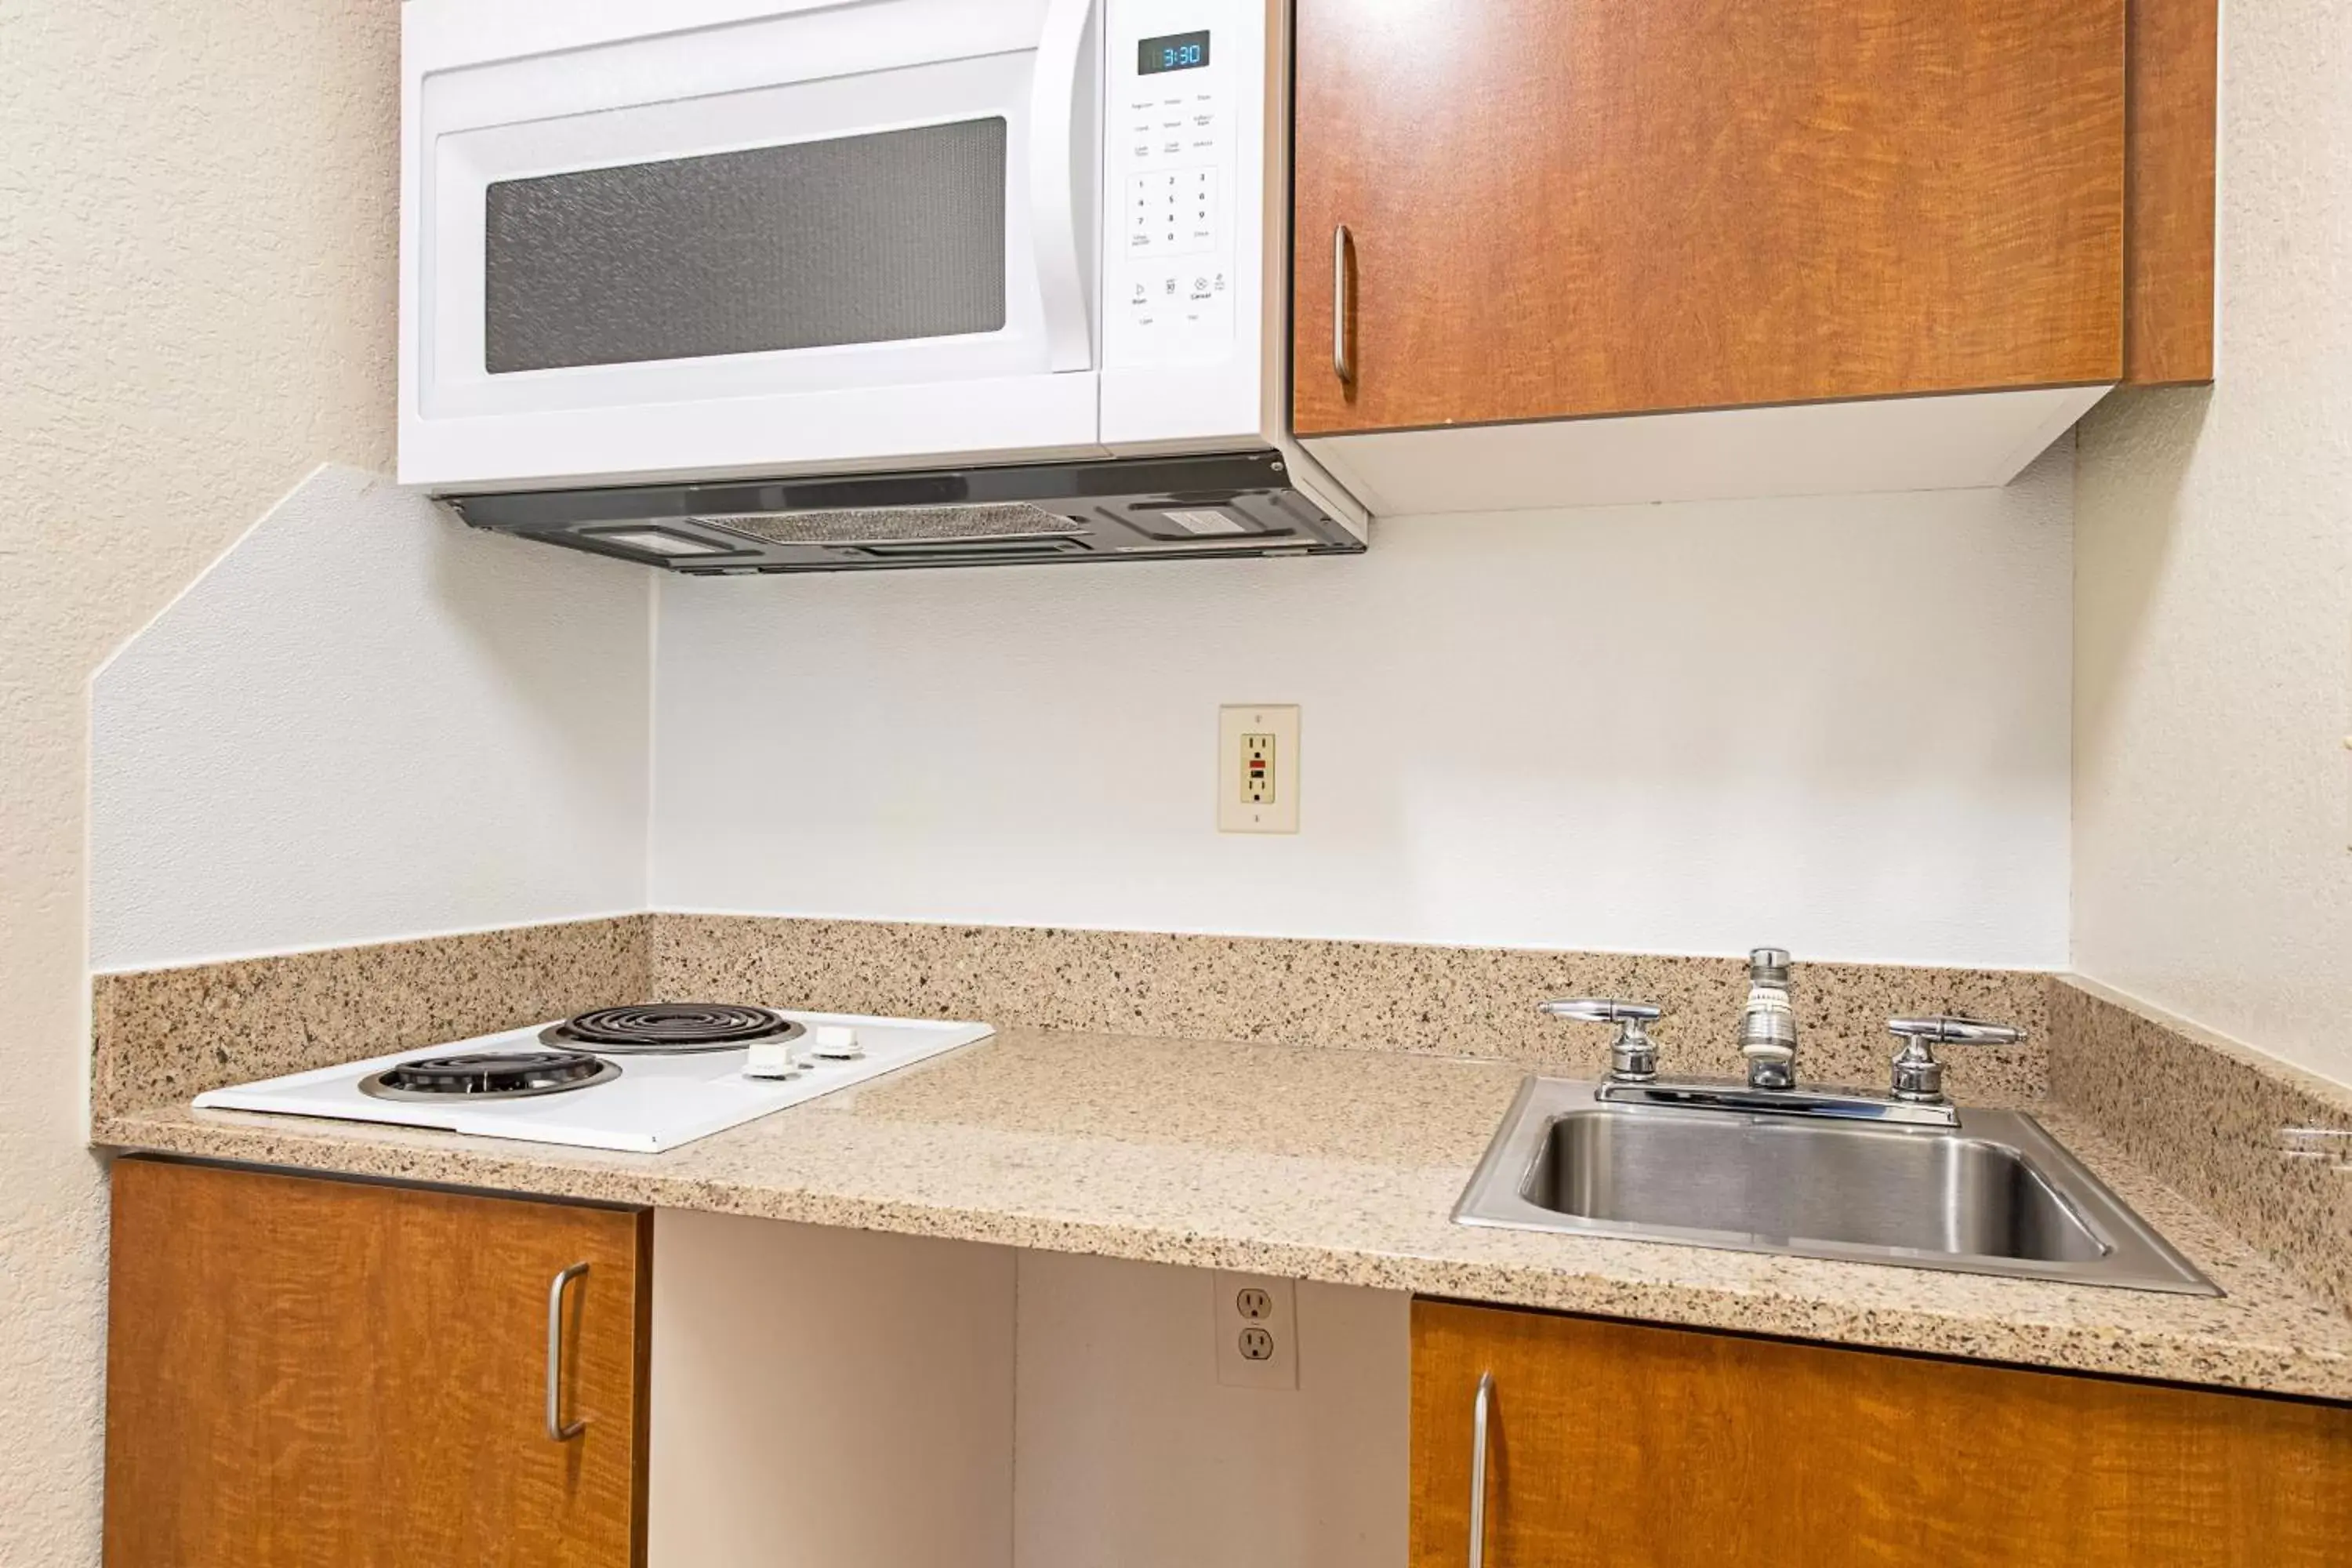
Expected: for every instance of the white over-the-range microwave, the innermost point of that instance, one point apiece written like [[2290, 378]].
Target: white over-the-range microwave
[[736, 286]]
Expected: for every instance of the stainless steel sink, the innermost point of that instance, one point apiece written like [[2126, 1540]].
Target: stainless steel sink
[[1995, 1195]]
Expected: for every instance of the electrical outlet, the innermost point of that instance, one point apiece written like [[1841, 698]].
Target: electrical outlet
[[1257, 768], [1258, 1332]]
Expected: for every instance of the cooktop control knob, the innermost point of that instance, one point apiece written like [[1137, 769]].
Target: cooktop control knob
[[837, 1042], [771, 1058]]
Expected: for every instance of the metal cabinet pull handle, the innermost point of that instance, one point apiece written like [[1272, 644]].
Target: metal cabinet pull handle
[[1343, 363], [557, 1429], [1478, 1414]]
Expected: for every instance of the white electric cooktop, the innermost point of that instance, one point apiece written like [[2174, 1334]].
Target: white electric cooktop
[[535, 1085]]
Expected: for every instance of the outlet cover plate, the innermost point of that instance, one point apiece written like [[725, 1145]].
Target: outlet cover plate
[[1241, 721], [1257, 1330]]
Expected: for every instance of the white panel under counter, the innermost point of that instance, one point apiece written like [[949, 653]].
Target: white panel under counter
[[1130, 1452], [1955, 441], [827, 1396]]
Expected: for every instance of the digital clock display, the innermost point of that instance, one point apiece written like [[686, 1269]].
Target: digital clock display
[[1175, 52]]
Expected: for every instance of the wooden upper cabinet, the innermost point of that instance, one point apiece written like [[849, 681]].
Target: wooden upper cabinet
[[1562, 208], [2172, 105], [314, 1373], [1620, 1446]]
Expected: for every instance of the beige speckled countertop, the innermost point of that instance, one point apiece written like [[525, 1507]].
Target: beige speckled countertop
[[1325, 1165]]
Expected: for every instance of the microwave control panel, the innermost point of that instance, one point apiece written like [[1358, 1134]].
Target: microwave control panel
[[1173, 125]]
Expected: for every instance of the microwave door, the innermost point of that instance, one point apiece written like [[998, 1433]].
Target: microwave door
[[819, 237]]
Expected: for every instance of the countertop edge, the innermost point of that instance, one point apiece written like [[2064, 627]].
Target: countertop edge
[[2281, 1369]]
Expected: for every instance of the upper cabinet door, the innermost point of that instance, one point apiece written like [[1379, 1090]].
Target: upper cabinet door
[[1558, 209], [303, 1372]]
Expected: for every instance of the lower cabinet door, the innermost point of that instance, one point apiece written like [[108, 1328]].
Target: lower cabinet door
[[1629, 1446], [309, 1371]]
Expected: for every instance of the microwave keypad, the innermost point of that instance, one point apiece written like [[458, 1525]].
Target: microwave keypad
[[1172, 214], [1172, 293]]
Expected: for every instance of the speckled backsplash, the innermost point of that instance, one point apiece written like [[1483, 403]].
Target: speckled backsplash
[[1444, 1001], [166, 1034], [2208, 1115]]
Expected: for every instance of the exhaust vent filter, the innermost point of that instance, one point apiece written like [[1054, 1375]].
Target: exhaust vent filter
[[1003, 520]]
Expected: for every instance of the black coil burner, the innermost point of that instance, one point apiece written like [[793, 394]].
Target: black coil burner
[[672, 1027], [488, 1075]]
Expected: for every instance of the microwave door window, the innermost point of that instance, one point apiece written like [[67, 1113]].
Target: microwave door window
[[886, 238]]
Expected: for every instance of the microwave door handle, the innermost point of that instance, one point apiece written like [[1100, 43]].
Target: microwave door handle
[[1062, 178]]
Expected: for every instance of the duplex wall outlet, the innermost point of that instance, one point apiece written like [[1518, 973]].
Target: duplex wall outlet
[[1257, 768], [1256, 1319]]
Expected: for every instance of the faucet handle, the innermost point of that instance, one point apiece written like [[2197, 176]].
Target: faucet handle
[[1919, 1076], [1594, 1010], [1948, 1031], [1633, 1056]]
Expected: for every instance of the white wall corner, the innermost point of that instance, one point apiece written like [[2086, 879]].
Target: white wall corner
[[362, 722]]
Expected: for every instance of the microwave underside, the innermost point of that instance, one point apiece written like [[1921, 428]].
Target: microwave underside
[[1129, 509]]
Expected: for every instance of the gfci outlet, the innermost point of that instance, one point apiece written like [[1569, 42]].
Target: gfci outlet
[[1258, 1332], [1257, 768]]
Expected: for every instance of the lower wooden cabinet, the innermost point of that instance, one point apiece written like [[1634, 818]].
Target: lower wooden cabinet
[[303, 1371], [1629, 1446], [306, 1373]]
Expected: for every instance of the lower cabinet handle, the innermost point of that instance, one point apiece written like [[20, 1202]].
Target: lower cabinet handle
[[1479, 1411], [557, 1428]]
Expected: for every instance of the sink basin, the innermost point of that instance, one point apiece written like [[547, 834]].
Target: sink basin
[[1995, 1195]]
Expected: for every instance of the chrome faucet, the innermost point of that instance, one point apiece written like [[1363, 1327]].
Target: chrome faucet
[[1768, 1041], [1768, 1027]]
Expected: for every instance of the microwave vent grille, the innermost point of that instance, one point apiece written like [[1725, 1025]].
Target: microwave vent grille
[[1005, 521]]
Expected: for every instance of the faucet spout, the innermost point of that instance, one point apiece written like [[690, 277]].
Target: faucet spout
[[1767, 1026]]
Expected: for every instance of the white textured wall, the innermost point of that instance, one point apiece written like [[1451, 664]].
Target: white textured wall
[[368, 721], [2213, 603], [1839, 724], [196, 287]]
